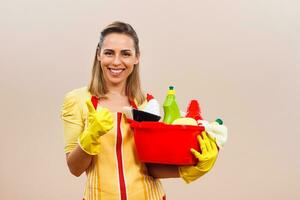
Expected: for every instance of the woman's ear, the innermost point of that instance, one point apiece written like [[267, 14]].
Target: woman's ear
[[98, 56], [137, 59]]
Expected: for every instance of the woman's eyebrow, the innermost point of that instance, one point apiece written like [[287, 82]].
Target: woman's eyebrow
[[124, 50]]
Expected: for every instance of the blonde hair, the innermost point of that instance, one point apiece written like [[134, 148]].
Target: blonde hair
[[97, 85]]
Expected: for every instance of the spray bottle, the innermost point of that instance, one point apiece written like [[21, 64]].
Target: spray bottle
[[194, 111], [171, 109]]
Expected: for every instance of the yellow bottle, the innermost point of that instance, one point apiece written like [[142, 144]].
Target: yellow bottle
[[171, 109]]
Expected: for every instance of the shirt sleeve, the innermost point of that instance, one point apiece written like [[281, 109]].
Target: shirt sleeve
[[72, 117]]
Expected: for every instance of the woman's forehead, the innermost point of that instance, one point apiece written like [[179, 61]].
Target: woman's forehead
[[117, 41]]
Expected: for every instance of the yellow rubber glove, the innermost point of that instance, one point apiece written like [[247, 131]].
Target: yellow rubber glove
[[206, 159], [99, 123]]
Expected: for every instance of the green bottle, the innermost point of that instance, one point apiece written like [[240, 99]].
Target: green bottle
[[171, 109]]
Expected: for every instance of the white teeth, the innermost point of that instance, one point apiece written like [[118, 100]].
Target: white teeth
[[116, 71]]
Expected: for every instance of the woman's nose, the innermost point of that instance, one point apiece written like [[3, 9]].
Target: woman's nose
[[117, 60]]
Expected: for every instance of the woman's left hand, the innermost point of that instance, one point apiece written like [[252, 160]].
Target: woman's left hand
[[206, 159]]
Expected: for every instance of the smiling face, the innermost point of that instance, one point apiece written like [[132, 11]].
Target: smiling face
[[117, 58]]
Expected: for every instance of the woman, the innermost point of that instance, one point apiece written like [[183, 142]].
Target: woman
[[98, 139]]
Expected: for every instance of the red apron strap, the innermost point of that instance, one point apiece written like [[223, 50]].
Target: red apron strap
[[94, 101], [133, 105]]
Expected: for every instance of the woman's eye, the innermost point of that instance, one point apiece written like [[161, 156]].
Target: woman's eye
[[127, 54], [108, 53]]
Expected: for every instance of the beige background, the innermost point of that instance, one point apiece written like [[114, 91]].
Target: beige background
[[240, 59]]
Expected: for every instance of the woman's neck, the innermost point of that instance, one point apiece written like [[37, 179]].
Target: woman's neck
[[116, 90], [115, 99]]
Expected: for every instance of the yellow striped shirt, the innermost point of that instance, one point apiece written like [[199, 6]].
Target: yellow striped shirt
[[115, 173]]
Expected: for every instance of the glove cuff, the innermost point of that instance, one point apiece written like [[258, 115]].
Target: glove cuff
[[89, 143], [190, 173]]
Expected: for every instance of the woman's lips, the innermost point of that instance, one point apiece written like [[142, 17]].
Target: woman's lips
[[116, 71]]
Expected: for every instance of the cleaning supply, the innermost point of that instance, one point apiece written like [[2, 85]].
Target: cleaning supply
[[140, 116], [206, 159], [194, 111], [99, 123], [171, 109], [216, 130], [185, 121], [219, 121], [152, 105]]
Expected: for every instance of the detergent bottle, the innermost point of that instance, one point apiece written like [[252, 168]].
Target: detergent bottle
[[171, 109], [194, 111]]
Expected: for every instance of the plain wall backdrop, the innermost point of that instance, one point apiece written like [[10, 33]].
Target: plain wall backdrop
[[240, 59]]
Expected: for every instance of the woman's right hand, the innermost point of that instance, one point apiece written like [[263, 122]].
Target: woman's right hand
[[99, 123]]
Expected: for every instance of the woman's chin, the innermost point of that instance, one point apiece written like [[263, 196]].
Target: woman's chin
[[116, 81]]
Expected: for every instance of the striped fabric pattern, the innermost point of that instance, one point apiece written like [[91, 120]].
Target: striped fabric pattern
[[116, 173]]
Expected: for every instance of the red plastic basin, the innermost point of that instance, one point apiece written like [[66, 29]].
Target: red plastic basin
[[161, 143]]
